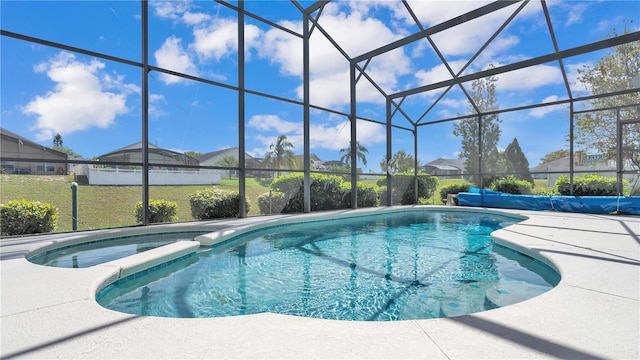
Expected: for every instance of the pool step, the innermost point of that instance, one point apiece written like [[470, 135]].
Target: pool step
[[507, 293], [466, 299]]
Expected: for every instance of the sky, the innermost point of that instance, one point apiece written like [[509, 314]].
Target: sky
[[95, 103]]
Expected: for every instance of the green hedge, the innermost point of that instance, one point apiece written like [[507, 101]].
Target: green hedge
[[511, 185], [328, 192], [367, 195], [20, 217], [272, 202], [402, 188], [215, 203], [588, 185], [454, 189], [160, 211]]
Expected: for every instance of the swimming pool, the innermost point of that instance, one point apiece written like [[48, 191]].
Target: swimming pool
[[97, 251], [395, 266]]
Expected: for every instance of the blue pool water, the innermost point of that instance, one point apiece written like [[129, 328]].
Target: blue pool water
[[104, 250], [408, 265]]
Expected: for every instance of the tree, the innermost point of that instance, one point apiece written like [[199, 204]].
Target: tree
[[281, 154], [517, 162], [229, 161], [403, 162], [554, 155], [193, 154], [483, 95], [57, 145], [57, 140], [360, 154], [596, 131]]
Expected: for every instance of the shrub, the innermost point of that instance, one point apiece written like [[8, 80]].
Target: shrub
[[215, 203], [367, 195], [454, 189], [544, 191], [326, 192], [272, 202], [511, 185], [588, 185], [19, 217], [402, 188], [160, 211]]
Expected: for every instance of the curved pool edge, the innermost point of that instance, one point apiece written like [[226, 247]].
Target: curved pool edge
[[57, 241], [592, 313], [222, 235]]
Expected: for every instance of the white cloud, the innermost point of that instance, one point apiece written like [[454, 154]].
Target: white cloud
[[329, 135], [460, 103], [220, 38], [575, 12], [80, 99], [437, 73], [178, 11], [573, 76], [273, 123], [329, 68], [463, 39], [337, 136], [172, 56], [540, 112], [194, 18], [530, 78], [172, 10], [155, 100]]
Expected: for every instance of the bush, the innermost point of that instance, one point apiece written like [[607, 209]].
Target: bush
[[402, 188], [545, 191], [160, 211], [215, 203], [326, 192], [272, 202], [588, 185], [511, 185], [20, 217], [367, 195], [454, 189]]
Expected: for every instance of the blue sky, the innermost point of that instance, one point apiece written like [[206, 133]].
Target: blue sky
[[95, 103]]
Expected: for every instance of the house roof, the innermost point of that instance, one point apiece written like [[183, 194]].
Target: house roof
[[447, 164], [312, 157], [8, 135], [135, 147], [565, 162], [209, 155]]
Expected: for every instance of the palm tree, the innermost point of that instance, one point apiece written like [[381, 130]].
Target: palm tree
[[360, 154], [281, 154]]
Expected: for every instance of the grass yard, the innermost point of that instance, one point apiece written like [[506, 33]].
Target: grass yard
[[108, 206], [114, 206]]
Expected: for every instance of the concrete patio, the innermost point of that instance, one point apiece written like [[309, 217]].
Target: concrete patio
[[592, 314]]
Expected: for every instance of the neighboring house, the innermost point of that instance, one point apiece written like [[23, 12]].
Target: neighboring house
[[542, 171], [444, 167], [160, 158], [332, 163], [316, 163], [15, 149], [597, 164], [217, 158]]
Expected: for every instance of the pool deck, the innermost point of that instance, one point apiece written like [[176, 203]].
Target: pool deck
[[593, 313]]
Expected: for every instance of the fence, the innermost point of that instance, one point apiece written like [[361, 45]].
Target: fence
[[110, 176]]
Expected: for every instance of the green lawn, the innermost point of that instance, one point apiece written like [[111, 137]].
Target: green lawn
[[114, 206], [108, 206]]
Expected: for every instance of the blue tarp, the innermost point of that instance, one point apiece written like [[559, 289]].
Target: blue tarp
[[576, 204]]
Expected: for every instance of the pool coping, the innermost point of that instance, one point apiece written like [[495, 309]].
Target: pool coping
[[592, 313]]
